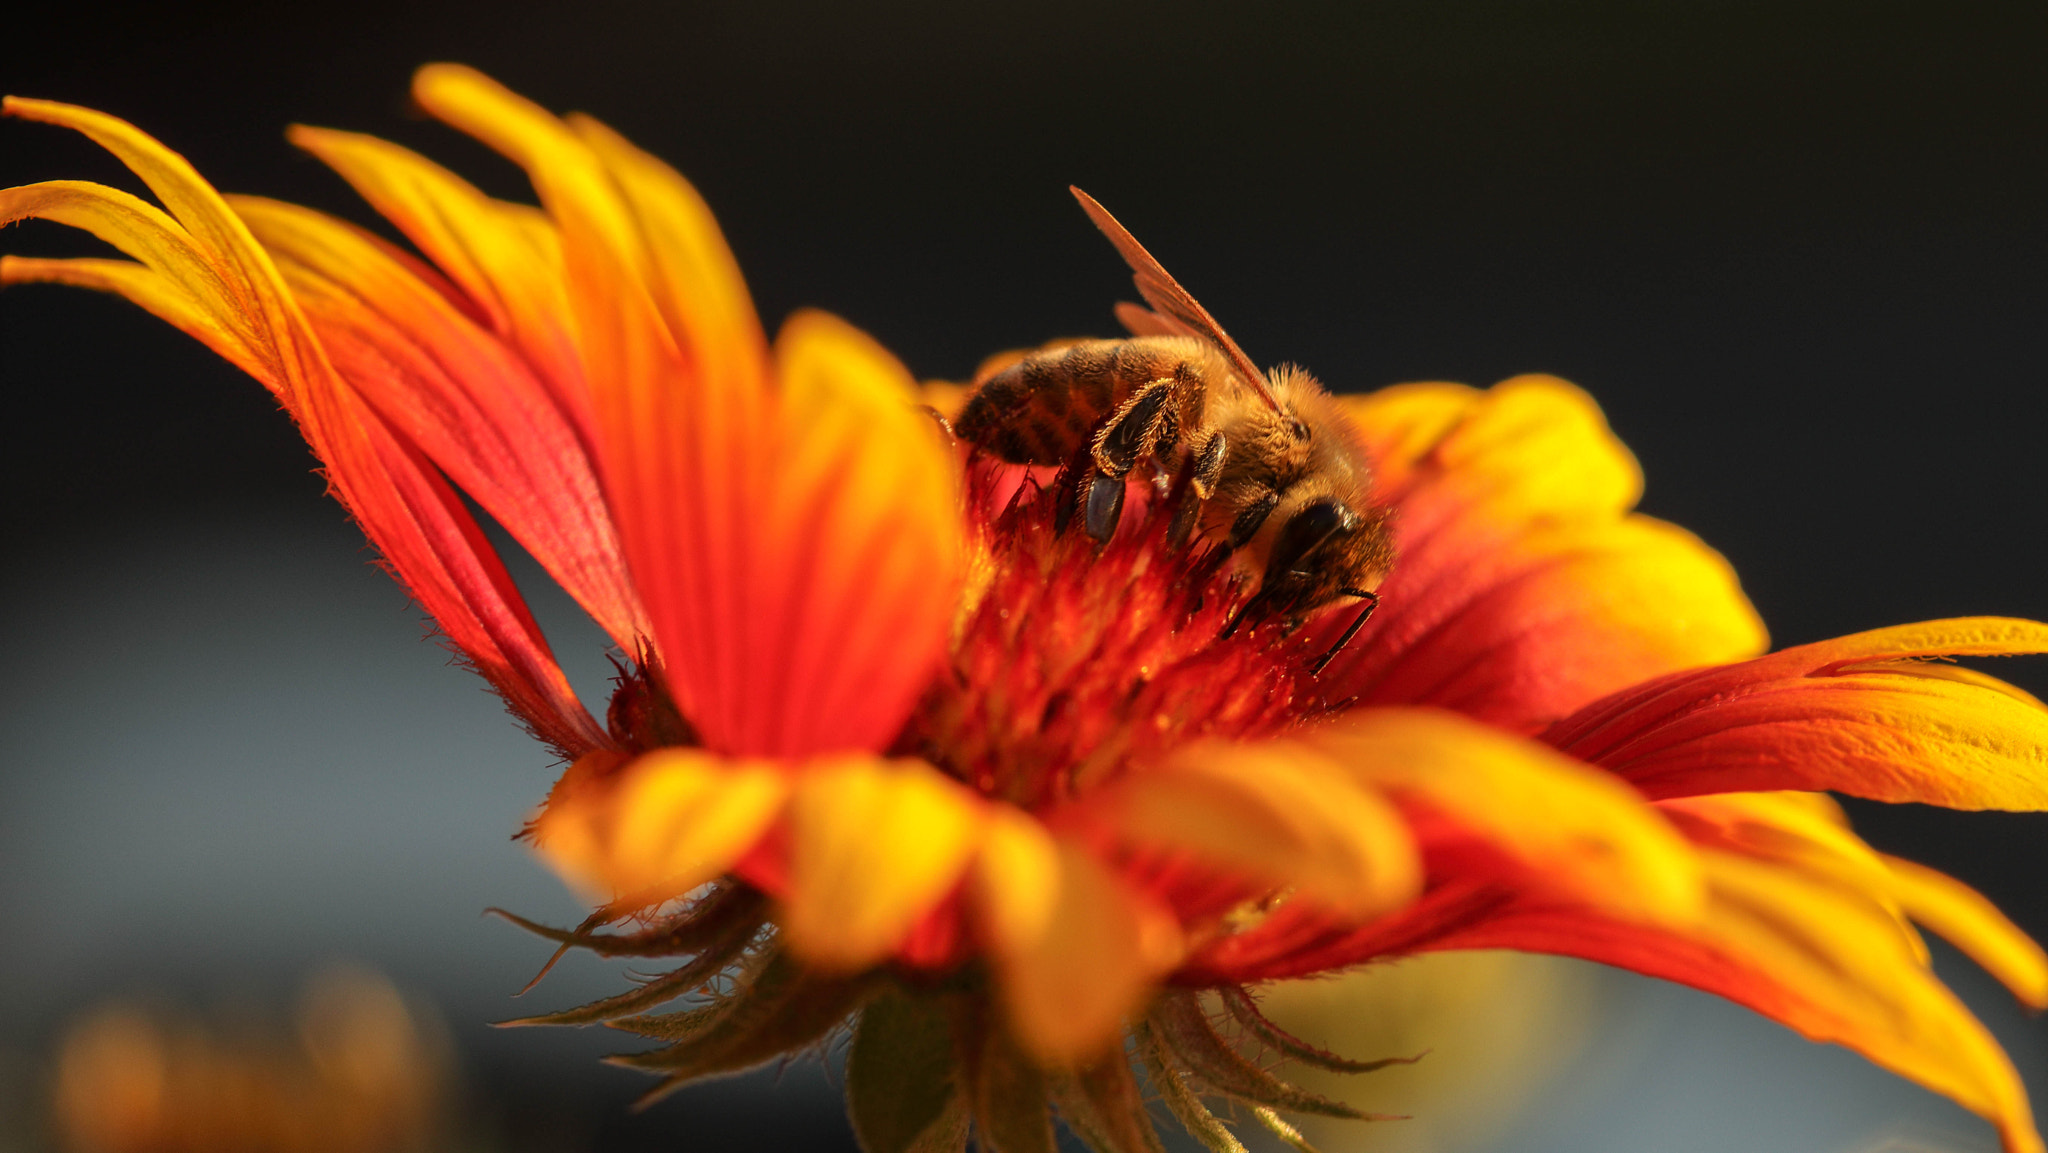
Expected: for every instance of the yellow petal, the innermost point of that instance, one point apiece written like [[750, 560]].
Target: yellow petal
[[1804, 946], [161, 296], [1839, 961], [1806, 832], [230, 254], [1014, 882], [661, 825], [1964, 918], [1532, 446], [691, 272], [874, 845], [1096, 952], [1576, 826], [1280, 813]]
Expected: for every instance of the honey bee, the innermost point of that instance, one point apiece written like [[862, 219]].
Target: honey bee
[[1272, 467]]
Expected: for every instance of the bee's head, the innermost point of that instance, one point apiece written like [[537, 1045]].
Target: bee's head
[[1323, 547]]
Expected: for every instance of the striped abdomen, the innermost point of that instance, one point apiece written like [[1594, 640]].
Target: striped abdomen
[[1042, 409]]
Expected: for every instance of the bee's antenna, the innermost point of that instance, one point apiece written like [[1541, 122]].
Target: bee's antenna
[[1173, 302], [1372, 601]]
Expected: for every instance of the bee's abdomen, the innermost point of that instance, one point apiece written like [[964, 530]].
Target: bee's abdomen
[[1042, 409]]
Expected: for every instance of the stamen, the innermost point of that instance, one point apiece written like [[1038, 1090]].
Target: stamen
[[1080, 658]]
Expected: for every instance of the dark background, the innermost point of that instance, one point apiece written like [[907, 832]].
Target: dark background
[[1798, 252]]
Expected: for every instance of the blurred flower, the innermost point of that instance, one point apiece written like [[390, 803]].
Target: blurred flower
[[364, 1074], [893, 744], [1507, 1039]]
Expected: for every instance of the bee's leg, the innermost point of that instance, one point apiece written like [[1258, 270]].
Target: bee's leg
[[1254, 514], [1102, 506], [1184, 516], [1071, 489], [1127, 437], [1208, 466], [1133, 429], [1372, 601], [945, 426], [1202, 470]]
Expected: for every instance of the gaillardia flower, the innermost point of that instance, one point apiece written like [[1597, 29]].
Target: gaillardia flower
[[894, 747]]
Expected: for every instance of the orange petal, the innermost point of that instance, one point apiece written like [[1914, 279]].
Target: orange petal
[[1860, 715], [207, 265], [1973, 924], [873, 846], [506, 257], [860, 557], [1075, 949], [795, 543], [1523, 587], [1801, 949], [1802, 922], [1278, 813], [1571, 826], [456, 390], [1529, 448]]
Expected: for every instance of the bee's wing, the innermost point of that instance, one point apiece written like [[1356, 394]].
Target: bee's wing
[[1170, 302], [1141, 321]]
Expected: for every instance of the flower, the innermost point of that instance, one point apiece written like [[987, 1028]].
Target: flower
[[891, 744]]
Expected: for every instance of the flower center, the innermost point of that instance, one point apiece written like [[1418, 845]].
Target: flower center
[[1075, 661]]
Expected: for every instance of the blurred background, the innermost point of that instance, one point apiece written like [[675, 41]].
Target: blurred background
[[1798, 252]]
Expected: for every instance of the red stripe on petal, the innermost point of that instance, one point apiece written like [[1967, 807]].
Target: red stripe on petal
[[1862, 714], [457, 391], [506, 257]]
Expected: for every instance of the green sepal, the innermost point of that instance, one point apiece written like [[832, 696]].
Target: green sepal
[[717, 954], [675, 1028], [1182, 1101], [1100, 1103], [1185, 1029], [709, 918], [783, 1008], [902, 1077], [1011, 1113], [1246, 1010], [1287, 1133]]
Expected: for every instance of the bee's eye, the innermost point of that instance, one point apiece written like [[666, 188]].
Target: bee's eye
[[1314, 524], [1299, 429]]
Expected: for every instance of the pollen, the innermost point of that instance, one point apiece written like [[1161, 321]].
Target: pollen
[[1079, 660]]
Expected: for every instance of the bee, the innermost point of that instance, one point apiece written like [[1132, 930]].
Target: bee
[[1273, 468]]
